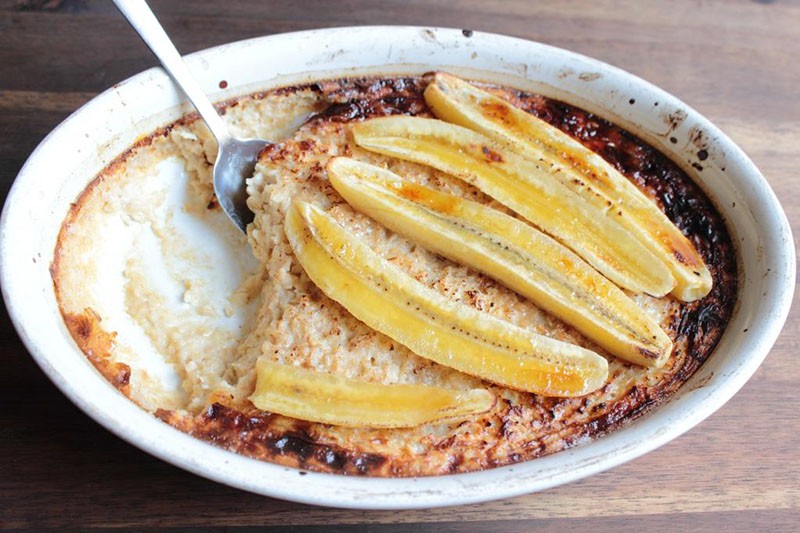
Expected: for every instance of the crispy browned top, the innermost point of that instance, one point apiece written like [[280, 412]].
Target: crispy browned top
[[506, 434]]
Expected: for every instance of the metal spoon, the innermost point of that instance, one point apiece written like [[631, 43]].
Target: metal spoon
[[236, 158]]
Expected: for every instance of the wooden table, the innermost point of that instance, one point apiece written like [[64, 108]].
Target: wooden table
[[735, 61]]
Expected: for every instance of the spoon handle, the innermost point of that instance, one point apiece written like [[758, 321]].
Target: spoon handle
[[142, 19]]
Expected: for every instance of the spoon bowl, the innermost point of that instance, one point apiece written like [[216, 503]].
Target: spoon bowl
[[236, 158]]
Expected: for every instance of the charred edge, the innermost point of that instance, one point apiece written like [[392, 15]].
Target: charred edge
[[680, 198], [617, 414], [252, 435], [363, 98]]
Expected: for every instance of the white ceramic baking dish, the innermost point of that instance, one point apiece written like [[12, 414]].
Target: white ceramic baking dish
[[74, 152]]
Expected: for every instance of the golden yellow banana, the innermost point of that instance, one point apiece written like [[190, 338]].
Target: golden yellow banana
[[318, 397], [593, 232], [447, 332], [512, 252], [579, 168]]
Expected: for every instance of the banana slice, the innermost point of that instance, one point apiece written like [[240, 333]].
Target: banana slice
[[593, 232], [452, 334], [318, 397], [512, 252], [579, 168]]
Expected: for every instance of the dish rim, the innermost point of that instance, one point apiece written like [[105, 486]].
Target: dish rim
[[702, 395]]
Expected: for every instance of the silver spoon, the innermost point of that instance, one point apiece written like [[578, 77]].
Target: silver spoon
[[236, 158]]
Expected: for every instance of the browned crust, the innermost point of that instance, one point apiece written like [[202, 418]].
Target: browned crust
[[96, 343], [274, 438], [695, 328]]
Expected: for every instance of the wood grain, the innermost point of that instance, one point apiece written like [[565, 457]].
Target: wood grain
[[733, 60]]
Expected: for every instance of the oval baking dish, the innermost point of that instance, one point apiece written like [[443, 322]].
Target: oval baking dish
[[69, 158]]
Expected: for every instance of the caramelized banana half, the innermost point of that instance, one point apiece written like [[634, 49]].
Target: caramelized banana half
[[579, 168], [318, 397], [592, 231], [432, 326], [508, 250]]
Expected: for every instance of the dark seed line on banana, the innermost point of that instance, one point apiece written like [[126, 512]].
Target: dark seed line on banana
[[512, 357], [380, 280], [526, 259], [470, 233], [522, 256]]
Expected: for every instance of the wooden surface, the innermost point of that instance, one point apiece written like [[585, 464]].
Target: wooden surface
[[735, 61]]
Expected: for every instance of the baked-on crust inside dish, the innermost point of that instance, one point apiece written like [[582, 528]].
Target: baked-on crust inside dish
[[175, 308]]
